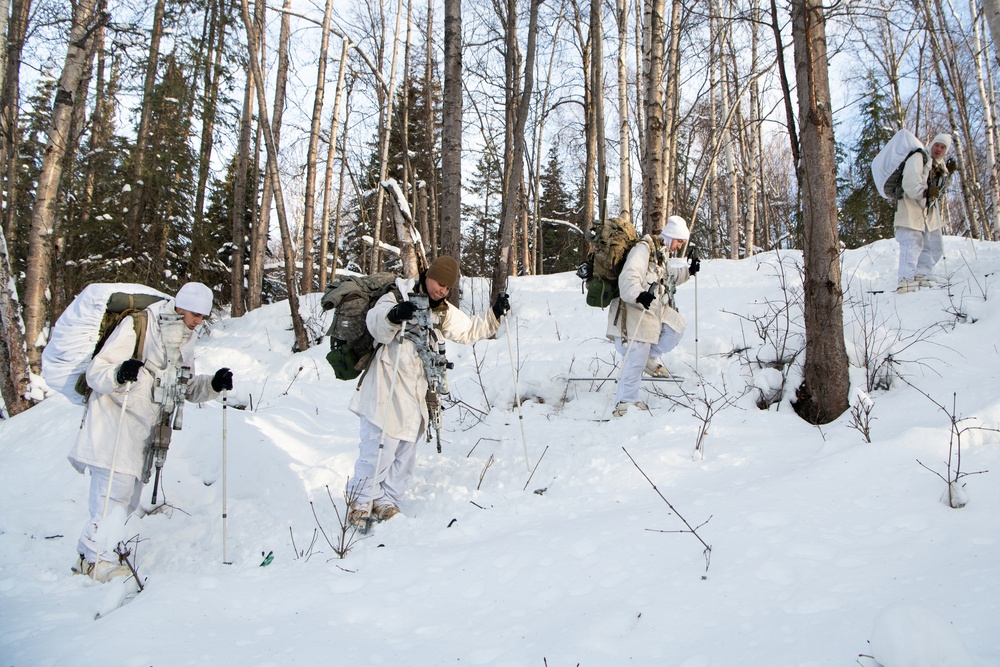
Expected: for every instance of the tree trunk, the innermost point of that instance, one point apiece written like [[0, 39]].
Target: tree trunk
[[310, 193], [432, 216], [451, 135], [589, 130], [42, 229], [340, 188], [653, 200], [237, 307], [14, 380], [596, 110], [519, 99], [385, 132], [823, 394], [786, 88], [136, 201], [331, 154], [210, 100], [624, 160], [15, 32], [301, 339], [670, 113], [991, 8]]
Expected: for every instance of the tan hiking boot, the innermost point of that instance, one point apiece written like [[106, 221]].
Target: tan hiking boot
[[385, 512]]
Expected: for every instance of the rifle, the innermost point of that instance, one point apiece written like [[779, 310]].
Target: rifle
[[169, 392], [434, 360]]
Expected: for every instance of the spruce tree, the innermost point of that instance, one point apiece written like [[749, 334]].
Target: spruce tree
[[481, 232], [865, 216], [560, 238]]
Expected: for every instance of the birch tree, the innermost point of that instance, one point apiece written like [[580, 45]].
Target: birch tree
[[653, 195], [518, 101], [44, 213], [301, 339]]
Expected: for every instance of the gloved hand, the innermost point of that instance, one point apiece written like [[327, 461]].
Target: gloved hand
[[401, 312], [502, 305], [586, 270], [932, 192], [223, 379], [645, 299], [128, 371], [695, 266], [951, 165]]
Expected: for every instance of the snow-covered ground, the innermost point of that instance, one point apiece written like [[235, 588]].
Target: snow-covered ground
[[825, 549]]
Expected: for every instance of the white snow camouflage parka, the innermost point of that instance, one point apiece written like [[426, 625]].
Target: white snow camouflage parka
[[96, 440], [642, 268], [912, 211], [407, 415]]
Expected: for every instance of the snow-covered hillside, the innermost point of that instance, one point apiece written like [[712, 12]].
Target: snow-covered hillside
[[825, 549]]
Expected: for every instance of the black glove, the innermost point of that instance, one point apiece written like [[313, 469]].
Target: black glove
[[401, 312], [586, 270], [502, 305], [951, 165], [128, 371], [223, 379], [932, 192], [646, 299], [695, 266]]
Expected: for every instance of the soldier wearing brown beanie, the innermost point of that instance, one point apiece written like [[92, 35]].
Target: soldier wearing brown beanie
[[392, 398]]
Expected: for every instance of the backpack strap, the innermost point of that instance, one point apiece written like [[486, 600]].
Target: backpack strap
[[139, 320], [398, 296]]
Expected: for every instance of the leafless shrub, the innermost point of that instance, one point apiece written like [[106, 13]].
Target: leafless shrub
[[880, 342], [955, 496], [705, 402], [861, 415], [344, 534], [776, 338]]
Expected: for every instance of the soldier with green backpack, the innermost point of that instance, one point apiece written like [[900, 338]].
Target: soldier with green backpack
[[140, 377], [643, 320], [395, 399]]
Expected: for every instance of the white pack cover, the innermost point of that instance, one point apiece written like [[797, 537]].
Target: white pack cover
[[75, 334], [895, 151]]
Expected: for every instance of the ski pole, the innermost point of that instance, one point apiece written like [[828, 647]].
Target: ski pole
[[517, 394], [111, 473], [693, 252], [225, 405], [381, 437], [114, 455]]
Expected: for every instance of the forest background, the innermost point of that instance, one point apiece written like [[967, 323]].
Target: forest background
[[243, 145]]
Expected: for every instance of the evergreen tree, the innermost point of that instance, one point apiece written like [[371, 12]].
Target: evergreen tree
[[865, 216], [481, 231], [560, 238], [217, 235], [168, 184], [94, 220], [35, 121]]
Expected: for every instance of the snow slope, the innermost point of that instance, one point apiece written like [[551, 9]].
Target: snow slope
[[825, 549]]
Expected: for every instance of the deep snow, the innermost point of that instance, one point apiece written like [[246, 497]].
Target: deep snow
[[825, 549]]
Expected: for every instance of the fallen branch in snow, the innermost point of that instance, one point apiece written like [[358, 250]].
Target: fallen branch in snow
[[690, 529], [535, 468], [489, 462]]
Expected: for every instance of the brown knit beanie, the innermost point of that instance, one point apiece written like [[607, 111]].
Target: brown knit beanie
[[444, 270]]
